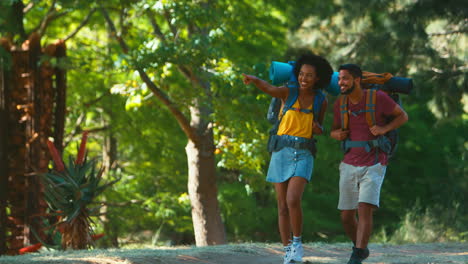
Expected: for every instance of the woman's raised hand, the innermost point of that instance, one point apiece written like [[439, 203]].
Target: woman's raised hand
[[248, 79]]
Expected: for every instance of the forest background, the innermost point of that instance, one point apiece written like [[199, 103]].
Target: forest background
[[153, 79]]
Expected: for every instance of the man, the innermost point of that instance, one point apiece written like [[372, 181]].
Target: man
[[363, 168]]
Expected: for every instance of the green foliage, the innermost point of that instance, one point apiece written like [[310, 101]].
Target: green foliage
[[71, 191], [5, 59], [248, 214], [221, 41], [433, 224], [10, 23]]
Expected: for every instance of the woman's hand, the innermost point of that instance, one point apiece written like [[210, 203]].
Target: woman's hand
[[248, 79], [317, 129]]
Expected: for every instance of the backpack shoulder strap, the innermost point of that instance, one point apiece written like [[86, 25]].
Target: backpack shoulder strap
[[292, 97], [318, 102], [370, 106], [344, 112]]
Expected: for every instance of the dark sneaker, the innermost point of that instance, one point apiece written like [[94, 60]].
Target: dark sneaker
[[358, 255]]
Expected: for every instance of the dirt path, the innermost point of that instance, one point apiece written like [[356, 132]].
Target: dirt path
[[315, 253]]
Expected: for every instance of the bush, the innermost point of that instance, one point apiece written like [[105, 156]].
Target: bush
[[434, 224]]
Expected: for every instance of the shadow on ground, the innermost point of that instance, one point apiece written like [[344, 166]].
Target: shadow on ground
[[255, 253]]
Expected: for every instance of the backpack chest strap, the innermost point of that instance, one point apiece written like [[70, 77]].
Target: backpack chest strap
[[382, 142], [371, 98], [367, 145], [307, 111]]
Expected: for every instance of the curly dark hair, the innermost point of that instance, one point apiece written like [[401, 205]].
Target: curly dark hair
[[353, 69], [322, 68]]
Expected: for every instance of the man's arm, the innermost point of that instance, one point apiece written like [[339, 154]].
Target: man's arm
[[338, 133], [400, 117], [279, 92]]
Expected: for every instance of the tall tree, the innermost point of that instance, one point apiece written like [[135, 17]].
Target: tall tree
[[191, 40], [36, 110], [184, 52]]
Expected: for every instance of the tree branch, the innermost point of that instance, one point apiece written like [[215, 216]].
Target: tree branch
[[171, 26], [28, 8], [119, 204], [453, 72], [49, 17], [156, 29], [448, 32], [98, 129], [113, 30], [78, 130], [83, 23], [47, 20], [75, 131], [178, 115]]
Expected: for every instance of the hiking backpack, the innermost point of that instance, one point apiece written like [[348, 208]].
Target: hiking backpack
[[372, 82]]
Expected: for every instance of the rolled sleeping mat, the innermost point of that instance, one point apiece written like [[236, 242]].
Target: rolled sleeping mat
[[280, 72], [398, 85], [333, 88], [393, 85]]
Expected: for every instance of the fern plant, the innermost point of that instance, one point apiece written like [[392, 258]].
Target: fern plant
[[69, 190]]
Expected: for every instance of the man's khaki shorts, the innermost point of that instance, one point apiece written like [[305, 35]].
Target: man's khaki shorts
[[360, 185]]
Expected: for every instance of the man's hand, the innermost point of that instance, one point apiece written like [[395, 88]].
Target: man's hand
[[339, 134], [248, 79], [378, 130]]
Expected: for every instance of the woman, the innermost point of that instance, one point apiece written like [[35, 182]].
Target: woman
[[291, 167]]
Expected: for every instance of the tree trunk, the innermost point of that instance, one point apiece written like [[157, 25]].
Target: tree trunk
[[109, 156], [27, 96], [61, 91], [38, 129], [208, 227], [19, 108], [202, 188], [3, 161]]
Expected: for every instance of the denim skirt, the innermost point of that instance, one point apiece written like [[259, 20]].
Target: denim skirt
[[289, 162]]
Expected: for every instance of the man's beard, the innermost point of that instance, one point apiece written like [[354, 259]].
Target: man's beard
[[349, 90]]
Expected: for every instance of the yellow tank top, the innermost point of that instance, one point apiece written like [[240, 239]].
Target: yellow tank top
[[297, 123]]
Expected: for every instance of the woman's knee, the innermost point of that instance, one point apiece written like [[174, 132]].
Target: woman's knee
[[283, 208], [294, 202]]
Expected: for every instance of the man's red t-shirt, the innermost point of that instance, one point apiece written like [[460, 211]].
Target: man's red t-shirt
[[359, 129]]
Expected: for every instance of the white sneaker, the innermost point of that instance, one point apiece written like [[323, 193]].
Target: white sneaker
[[287, 257], [297, 252]]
